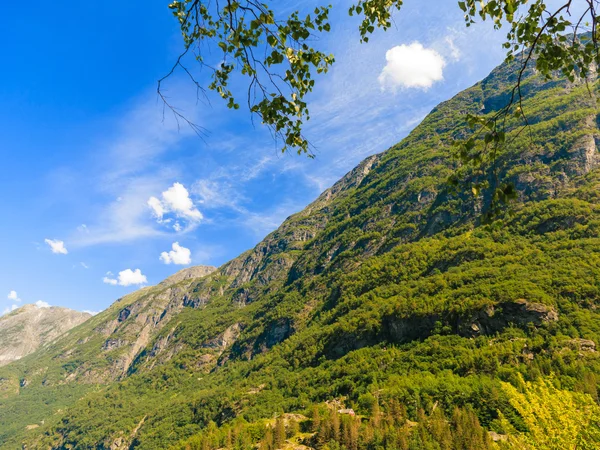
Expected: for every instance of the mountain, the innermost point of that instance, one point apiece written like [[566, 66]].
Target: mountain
[[393, 312], [30, 327]]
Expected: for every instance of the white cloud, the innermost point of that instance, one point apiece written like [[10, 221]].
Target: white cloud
[[127, 277], [111, 281], [411, 66], [175, 200], [93, 313], [42, 304], [179, 255], [12, 295], [84, 265], [56, 246], [157, 207], [178, 198]]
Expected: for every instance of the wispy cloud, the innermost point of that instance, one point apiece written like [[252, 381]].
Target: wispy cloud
[[129, 168], [56, 246]]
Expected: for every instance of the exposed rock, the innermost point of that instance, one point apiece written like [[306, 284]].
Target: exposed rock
[[117, 444], [486, 321], [583, 156], [275, 333], [352, 179], [189, 273], [583, 345], [26, 329], [404, 330], [494, 318], [205, 360], [195, 302], [124, 314], [528, 355], [225, 339], [112, 344], [498, 437]]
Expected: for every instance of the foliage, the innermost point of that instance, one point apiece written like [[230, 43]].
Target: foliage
[[277, 55], [555, 419]]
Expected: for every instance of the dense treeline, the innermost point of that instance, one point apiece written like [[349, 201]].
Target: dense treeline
[[329, 429], [552, 419]]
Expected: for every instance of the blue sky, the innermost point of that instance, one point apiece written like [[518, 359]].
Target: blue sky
[[85, 146]]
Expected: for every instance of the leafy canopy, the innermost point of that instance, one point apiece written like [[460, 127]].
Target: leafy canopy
[[278, 57]]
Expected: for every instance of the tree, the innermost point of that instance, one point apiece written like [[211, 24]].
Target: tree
[[277, 56], [555, 418], [279, 433]]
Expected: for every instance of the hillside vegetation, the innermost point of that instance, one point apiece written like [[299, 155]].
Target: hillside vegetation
[[390, 295]]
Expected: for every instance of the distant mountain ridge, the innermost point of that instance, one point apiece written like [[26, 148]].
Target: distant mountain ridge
[[30, 327]]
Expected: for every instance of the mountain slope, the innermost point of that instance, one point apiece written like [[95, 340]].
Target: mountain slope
[[390, 286], [30, 327]]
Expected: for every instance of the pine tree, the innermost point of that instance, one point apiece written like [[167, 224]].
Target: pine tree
[[316, 420], [354, 434], [375, 413], [279, 433], [293, 428], [335, 426], [396, 412], [440, 429]]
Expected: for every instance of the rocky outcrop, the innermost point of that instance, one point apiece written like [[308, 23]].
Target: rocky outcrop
[[582, 345], [488, 321], [26, 329], [495, 318]]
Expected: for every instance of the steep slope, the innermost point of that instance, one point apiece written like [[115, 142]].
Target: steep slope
[[390, 286], [30, 327]]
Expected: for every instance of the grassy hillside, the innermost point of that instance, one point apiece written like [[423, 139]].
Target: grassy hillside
[[389, 295]]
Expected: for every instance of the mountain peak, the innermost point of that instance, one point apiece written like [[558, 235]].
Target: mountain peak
[[29, 327], [190, 272]]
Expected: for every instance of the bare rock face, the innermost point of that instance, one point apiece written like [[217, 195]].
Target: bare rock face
[[189, 273], [519, 313], [26, 329]]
